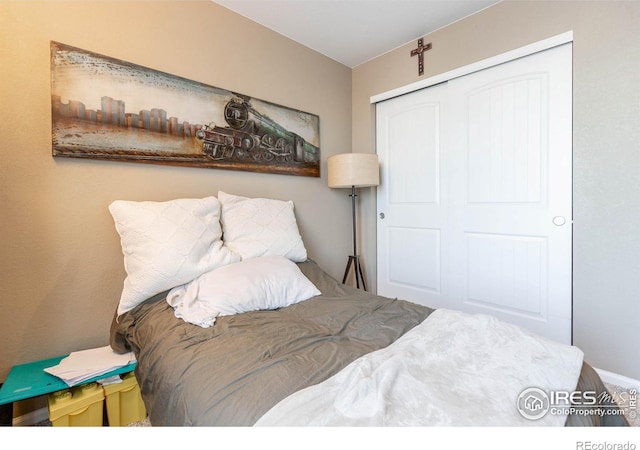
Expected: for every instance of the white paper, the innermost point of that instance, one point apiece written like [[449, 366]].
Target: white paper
[[85, 364], [115, 379]]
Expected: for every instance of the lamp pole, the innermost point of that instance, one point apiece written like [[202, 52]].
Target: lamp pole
[[355, 258], [353, 215]]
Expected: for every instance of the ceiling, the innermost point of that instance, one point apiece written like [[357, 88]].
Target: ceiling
[[355, 31]]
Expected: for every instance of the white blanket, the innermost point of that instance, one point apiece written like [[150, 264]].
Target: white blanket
[[454, 369]]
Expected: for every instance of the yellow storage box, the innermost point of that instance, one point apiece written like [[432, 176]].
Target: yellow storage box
[[80, 406], [124, 402]]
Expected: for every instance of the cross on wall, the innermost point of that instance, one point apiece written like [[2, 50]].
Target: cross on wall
[[420, 52]]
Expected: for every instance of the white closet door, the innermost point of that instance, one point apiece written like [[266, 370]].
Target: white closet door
[[510, 203], [410, 196], [476, 194]]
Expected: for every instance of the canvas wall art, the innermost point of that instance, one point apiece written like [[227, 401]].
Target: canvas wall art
[[106, 108]]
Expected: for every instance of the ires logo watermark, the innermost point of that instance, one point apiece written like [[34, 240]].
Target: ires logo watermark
[[534, 403]]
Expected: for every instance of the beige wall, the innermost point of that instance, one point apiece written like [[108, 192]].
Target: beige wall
[[61, 267], [606, 50]]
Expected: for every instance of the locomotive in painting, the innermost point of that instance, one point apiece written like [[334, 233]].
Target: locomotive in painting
[[250, 135]]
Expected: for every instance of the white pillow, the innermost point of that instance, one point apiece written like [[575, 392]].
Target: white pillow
[[166, 244], [260, 226], [268, 282]]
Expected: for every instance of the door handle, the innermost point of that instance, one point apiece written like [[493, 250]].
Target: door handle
[[559, 221], [382, 215]]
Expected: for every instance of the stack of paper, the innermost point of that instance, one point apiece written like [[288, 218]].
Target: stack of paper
[[83, 365]]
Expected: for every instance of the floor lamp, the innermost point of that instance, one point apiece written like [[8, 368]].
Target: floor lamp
[[353, 170]]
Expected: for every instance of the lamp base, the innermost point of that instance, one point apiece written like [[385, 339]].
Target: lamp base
[[357, 267]]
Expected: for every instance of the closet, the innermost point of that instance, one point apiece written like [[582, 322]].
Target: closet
[[474, 205]]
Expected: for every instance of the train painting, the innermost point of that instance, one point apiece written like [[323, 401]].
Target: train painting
[[106, 108], [251, 135]]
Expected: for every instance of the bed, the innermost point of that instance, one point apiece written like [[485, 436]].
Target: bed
[[259, 363]]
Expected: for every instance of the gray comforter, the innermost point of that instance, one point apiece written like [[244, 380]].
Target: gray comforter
[[234, 372]]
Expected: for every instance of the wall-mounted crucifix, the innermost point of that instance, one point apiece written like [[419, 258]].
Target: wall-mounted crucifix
[[420, 52]]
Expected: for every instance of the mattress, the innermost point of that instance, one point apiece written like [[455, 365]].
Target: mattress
[[233, 373]]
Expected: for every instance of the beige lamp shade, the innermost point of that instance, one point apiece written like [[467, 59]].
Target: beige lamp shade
[[353, 169]]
